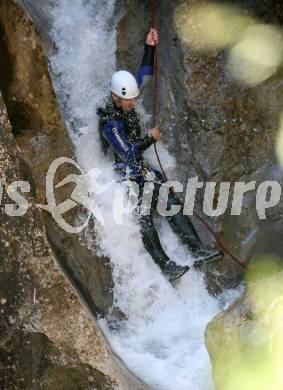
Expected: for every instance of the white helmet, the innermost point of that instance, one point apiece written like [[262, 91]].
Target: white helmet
[[124, 85]]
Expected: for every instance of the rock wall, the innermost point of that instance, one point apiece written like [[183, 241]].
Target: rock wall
[[41, 135], [37, 349], [216, 128]]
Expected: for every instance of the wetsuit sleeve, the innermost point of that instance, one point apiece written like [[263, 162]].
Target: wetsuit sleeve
[[114, 133], [147, 65], [146, 142]]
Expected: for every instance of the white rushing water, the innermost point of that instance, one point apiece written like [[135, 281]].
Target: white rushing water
[[163, 339]]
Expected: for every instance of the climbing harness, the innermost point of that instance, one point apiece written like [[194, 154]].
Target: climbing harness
[[154, 116]]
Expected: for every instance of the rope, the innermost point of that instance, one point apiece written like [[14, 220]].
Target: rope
[[154, 116]]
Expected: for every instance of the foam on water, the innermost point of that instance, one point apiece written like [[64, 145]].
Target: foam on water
[[163, 338]]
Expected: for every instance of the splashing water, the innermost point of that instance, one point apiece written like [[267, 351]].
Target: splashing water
[[162, 340]]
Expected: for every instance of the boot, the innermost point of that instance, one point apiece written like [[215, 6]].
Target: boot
[[206, 255], [172, 271]]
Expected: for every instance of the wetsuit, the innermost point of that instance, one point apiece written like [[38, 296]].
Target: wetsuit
[[122, 132]]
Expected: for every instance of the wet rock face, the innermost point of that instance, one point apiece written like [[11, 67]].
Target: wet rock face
[[36, 302], [41, 134], [33, 362], [27, 90], [216, 128]]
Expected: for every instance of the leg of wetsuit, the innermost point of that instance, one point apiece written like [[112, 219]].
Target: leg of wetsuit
[[183, 227], [181, 224], [151, 240], [149, 233]]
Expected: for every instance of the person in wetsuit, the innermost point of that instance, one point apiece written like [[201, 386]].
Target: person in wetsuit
[[120, 129]]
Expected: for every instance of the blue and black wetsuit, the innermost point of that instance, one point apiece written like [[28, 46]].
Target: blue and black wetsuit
[[122, 132]]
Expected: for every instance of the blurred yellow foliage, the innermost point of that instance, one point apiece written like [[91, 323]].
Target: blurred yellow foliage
[[257, 55], [255, 51], [252, 358], [210, 25]]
